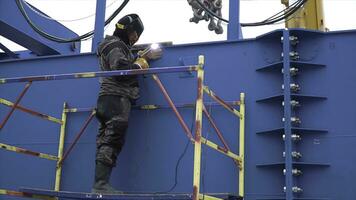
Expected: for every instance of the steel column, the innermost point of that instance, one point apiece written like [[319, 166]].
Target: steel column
[[287, 117], [99, 24], [233, 28]]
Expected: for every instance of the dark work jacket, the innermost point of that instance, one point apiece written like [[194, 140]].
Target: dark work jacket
[[114, 54]]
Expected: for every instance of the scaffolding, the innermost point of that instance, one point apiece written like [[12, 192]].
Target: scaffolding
[[197, 140]]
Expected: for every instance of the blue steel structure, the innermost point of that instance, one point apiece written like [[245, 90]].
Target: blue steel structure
[[324, 115]]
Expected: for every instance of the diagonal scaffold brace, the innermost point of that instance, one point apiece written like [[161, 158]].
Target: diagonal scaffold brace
[[19, 98]]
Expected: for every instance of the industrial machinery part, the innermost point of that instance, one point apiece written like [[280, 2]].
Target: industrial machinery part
[[310, 16], [295, 155], [293, 103], [295, 172], [293, 87], [295, 189], [294, 55], [294, 120], [294, 137], [293, 71], [293, 40], [199, 13]]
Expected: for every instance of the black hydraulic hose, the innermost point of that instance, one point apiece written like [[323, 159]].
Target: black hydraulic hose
[[271, 20], [288, 13], [64, 40]]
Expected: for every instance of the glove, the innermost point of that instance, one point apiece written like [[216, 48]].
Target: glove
[[152, 54], [142, 63]]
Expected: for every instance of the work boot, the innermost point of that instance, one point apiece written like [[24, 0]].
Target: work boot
[[102, 177]]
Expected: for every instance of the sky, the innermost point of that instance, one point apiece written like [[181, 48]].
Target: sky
[[168, 20]]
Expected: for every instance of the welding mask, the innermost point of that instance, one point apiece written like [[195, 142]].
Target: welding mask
[[128, 24]]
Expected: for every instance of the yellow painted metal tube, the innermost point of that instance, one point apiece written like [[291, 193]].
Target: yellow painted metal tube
[[21, 194], [242, 146], [198, 131], [208, 197], [217, 148], [43, 116], [10, 192], [61, 148], [27, 152], [220, 101], [310, 16], [72, 110]]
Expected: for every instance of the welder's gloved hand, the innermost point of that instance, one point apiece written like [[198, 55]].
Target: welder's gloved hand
[[142, 63], [152, 54]]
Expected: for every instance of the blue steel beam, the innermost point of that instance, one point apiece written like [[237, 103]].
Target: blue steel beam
[[234, 28], [124, 196], [228, 78], [7, 51], [287, 116], [14, 27], [99, 23], [99, 74]]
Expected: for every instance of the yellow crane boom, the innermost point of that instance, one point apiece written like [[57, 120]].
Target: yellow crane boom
[[310, 16]]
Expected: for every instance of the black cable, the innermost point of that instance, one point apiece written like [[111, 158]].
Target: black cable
[[222, 19], [271, 20], [64, 40], [179, 160], [282, 11], [290, 11]]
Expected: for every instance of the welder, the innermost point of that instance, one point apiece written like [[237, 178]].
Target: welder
[[117, 94]]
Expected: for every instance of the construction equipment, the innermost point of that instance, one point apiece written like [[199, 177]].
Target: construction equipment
[[310, 16]]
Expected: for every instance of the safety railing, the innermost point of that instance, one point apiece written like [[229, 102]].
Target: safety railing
[[61, 122], [197, 139]]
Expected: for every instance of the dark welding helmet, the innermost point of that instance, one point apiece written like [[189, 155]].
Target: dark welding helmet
[[127, 24]]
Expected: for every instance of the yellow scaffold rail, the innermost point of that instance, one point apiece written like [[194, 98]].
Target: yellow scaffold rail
[[43, 116], [198, 131], [21, 194], [27, 152], [219, 149], [220, 101], [242, 146], [208, 197], [61, 148]]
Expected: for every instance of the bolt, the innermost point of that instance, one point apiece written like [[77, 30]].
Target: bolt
[[294, 137]]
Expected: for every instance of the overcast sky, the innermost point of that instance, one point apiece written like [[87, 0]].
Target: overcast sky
[[168, 20]]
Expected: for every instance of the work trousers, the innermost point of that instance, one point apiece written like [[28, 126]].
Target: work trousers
[[113, 116]]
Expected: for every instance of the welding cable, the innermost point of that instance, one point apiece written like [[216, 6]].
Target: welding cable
[[224, 20], [287, 14], [63, 40], [275, 19], [290, 10], [63, 20], [282, 12], [179, 160]]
